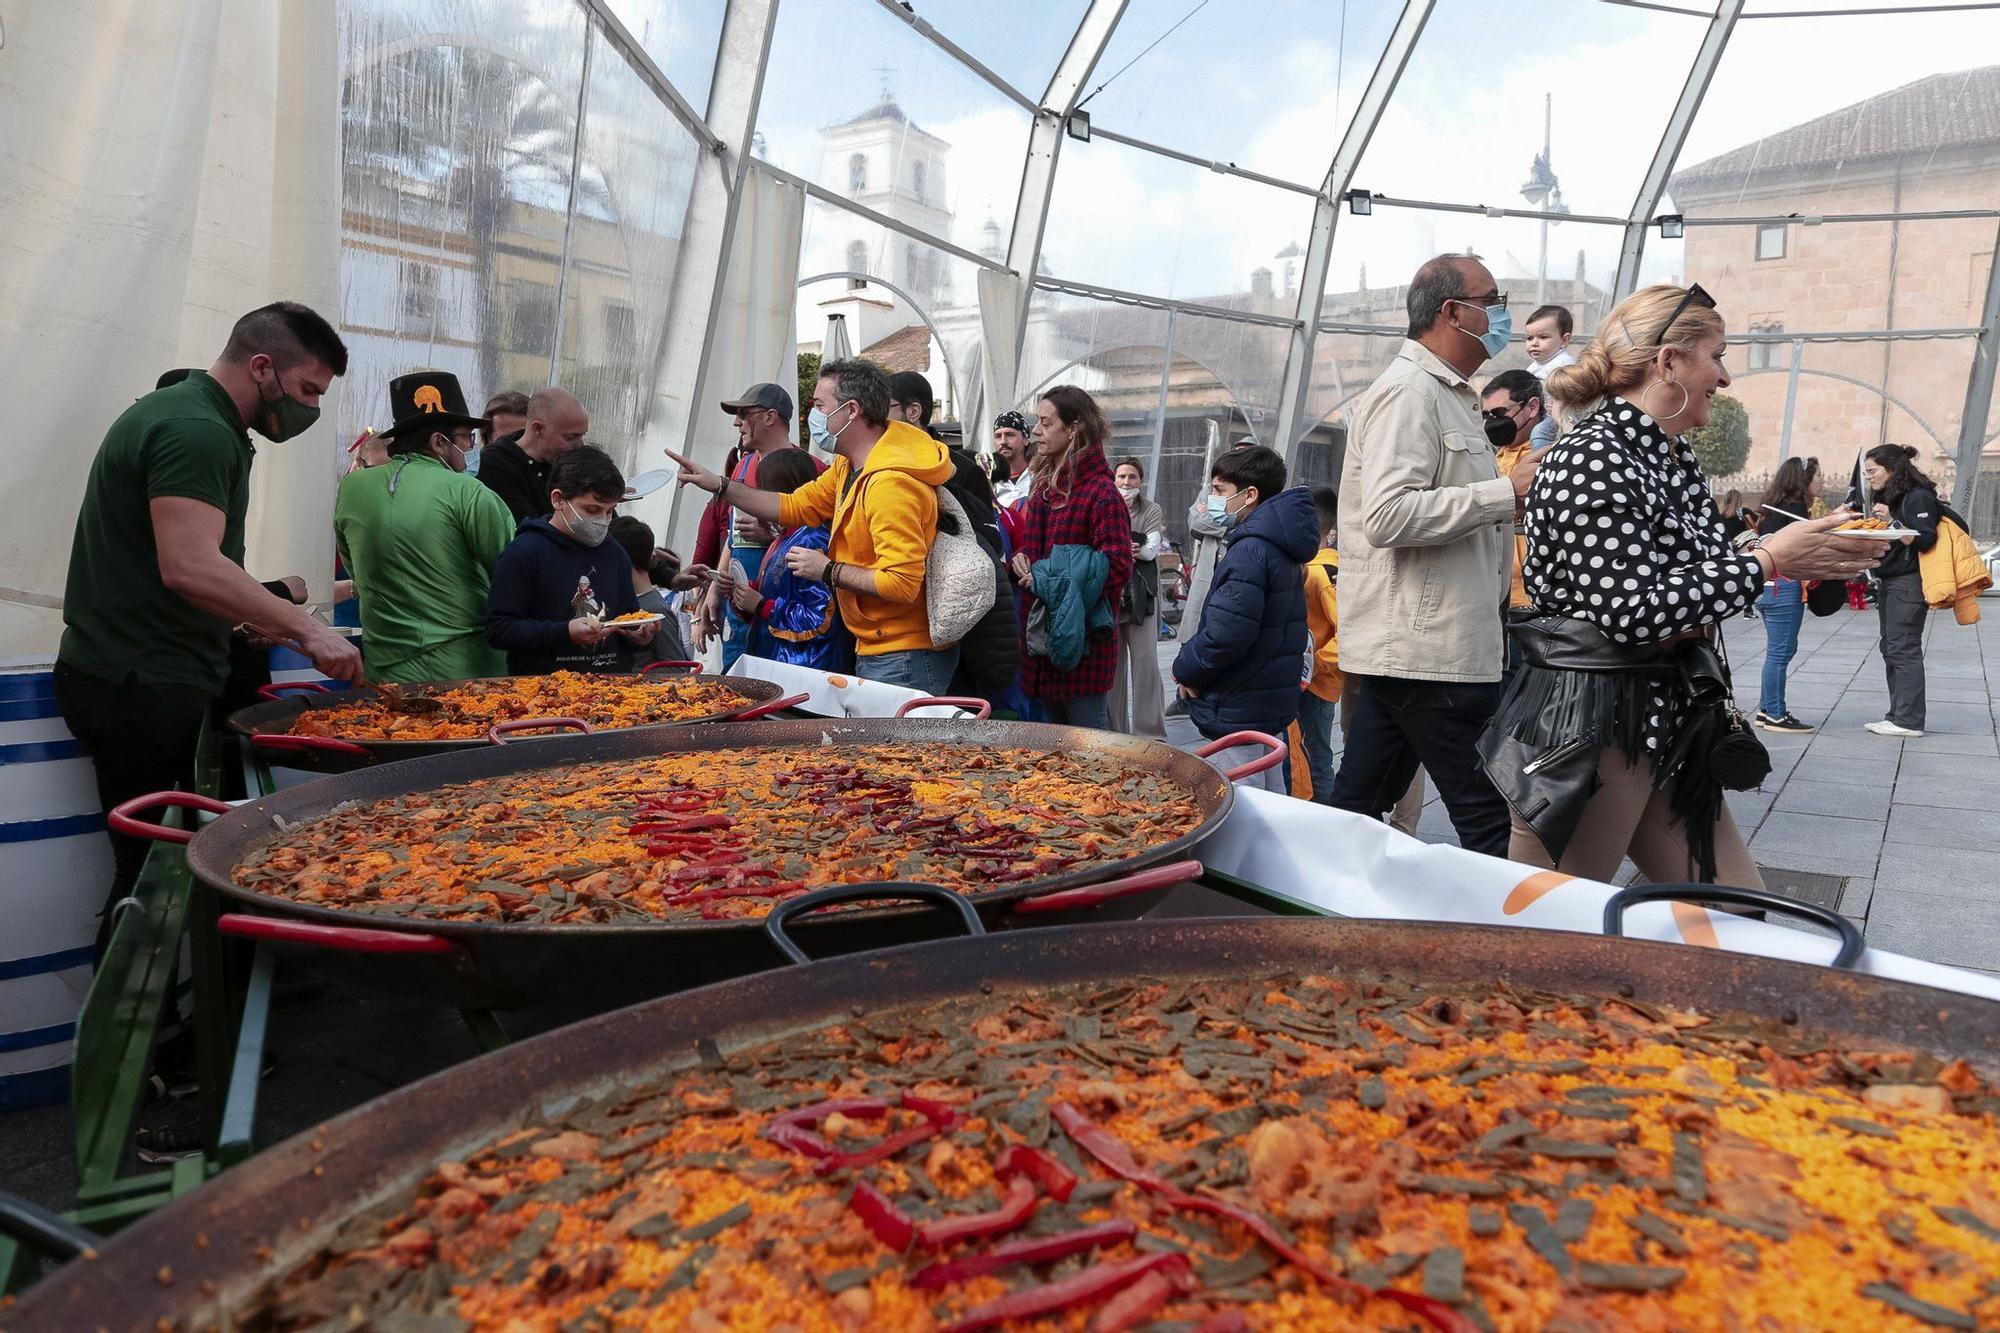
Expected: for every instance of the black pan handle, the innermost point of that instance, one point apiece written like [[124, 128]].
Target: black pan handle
[[1851, 943], [774, 922], [41, 1230]]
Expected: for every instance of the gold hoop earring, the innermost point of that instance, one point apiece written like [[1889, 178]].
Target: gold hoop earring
[[1678, 410]]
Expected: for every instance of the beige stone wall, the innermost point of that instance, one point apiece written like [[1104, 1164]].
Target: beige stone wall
[[1863, 276]]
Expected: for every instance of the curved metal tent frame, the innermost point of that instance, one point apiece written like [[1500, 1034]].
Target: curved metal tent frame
[[738, 84]]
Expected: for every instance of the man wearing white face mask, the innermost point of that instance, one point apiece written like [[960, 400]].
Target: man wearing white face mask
[[1425, 559], [420, 536], [560, 584]]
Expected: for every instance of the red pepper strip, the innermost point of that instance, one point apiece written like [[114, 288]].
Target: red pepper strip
[[1108, 1150], [718, 861], [695, 825], [1091, 1285], [1113, 1155], [943, 1114], [890, 1224], [882, 1150], [854, 1108], [1013, 1212], [1056, 1180], [1035, 1250], [1137, 1302]]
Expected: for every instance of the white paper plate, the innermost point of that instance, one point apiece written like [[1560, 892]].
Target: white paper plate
[[1876, 534]]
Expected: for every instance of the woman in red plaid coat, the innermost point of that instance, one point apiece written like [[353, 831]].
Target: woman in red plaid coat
[[1074, 503]]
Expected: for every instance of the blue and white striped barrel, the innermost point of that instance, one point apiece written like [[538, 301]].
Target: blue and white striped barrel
[[55, 868]]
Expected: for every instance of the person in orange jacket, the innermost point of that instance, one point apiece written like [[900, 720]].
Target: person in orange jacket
[[880, 499], [1320, 686]]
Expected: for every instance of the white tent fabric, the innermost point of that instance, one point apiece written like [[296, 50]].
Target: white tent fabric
[[158, 187], [1000, 300], [754, 340]]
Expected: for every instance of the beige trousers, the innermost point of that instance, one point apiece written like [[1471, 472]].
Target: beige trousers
[[1410, 808], [1137, 685], [1628, 818]]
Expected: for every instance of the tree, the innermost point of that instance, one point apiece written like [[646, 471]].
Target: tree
[[808, 381], [1722, 447]]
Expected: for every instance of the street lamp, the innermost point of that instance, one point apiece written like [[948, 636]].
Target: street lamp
[[1544, 194]]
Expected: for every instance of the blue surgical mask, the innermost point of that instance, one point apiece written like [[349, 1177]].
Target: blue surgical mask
[[1218, 511], [819, 427], [1499, 328], [472, 460]]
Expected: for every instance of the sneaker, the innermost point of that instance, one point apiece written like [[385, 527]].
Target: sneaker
[[1787, 723], [1178, 708], [1887, 728], [169, 1132]]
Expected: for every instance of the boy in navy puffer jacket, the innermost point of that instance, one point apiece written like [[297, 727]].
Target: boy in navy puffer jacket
[[1240, 669]]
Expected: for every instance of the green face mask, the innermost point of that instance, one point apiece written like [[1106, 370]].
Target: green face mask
[[284, 416]]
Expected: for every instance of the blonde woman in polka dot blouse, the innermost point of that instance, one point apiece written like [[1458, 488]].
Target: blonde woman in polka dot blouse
[[1598, 743]]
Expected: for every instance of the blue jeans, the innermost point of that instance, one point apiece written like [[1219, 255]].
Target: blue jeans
[[923, 669], [1783, 610], [1316, 732], [1090, 711]]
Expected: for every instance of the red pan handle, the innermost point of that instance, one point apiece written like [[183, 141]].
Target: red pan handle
[[651, 667], [347, 939], [766, 709], [124, 817], [1090, 895], [1255, 766], [500, 731], [268, 741], [277, 689], [981, 710]]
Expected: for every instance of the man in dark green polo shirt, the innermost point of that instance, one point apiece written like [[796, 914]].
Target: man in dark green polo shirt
[[421, 537], [156, 579]]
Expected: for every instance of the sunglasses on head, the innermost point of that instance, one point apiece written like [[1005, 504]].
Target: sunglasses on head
[[1694, 295]]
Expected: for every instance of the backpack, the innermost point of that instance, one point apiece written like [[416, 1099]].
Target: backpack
[[958, 575]]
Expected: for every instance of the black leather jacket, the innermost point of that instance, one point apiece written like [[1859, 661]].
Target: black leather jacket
[[1575, 693]]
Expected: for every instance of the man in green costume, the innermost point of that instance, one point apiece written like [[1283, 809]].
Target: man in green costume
[[420, 536]]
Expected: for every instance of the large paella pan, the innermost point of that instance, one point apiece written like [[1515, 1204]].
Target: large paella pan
[[305, 725], [1275, 1124]]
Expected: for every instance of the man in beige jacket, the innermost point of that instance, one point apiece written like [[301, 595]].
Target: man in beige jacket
[[1424, 562]]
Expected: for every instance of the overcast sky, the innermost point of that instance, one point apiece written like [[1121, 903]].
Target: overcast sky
[[1271, 84]]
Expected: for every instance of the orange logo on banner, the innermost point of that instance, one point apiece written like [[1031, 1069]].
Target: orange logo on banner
[[1532, 890], [428, 399]]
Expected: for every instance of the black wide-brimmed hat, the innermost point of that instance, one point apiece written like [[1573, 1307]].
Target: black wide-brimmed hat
[[429, 400]]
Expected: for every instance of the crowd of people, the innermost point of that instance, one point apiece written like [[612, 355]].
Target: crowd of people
[[1521, 606]]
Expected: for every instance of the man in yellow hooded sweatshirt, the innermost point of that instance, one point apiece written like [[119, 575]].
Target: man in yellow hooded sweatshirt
[[880, 499]]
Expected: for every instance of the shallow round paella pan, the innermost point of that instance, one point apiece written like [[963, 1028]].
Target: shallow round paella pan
[[485, 964], [267, 726], [1531, 1226]]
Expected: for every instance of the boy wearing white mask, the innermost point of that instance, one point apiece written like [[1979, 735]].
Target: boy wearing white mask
[[560, 584]]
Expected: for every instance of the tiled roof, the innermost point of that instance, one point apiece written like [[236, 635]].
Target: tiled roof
[[1941, 111], [905, 349]]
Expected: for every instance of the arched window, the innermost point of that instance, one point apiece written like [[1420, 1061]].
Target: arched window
[[857, 173], [917, 181], [857, 262]]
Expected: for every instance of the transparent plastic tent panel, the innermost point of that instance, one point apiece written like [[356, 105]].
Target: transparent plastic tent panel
[[927, 286], [1021, 46], [457, 136], [1850, 397], [1269, 85], [1375, 256], [1126, 218], [859, 103], [681, 37], [1344, 364], [637, 173], [1465, 124], [1792, 123]]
